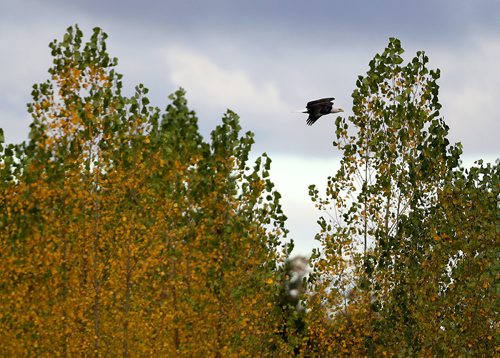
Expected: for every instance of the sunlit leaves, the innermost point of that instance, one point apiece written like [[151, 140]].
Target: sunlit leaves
[[123, 232]]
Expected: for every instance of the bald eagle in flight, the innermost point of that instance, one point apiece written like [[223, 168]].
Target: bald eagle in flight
[[319, 108]]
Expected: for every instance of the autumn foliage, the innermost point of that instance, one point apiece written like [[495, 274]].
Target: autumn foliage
[[124, 232]]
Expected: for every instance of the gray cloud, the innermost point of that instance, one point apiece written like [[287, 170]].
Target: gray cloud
[[446, 19]]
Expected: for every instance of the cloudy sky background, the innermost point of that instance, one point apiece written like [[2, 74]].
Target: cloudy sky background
[[264, 59]]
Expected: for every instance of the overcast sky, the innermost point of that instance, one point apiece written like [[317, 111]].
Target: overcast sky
[[265, 59]]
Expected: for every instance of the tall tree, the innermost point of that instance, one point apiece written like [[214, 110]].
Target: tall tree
[[376, 234], [124, 231]]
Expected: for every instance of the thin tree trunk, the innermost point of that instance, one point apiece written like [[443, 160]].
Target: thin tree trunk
[[365, 229], [95, 259], [65, 274], [176, 312], [126, 308]]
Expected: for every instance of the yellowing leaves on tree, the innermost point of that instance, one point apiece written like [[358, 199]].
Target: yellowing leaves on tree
[[123, 241], [124, 232]]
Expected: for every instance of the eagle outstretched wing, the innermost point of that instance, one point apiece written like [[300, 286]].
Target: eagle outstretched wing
[[318, 108]]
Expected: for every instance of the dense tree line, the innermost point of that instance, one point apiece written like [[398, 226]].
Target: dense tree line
[[123, 231]]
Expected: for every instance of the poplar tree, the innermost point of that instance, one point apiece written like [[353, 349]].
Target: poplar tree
[[382, 269], [124, 232]]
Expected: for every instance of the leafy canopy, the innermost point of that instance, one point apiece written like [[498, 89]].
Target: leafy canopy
[[125, 232]]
